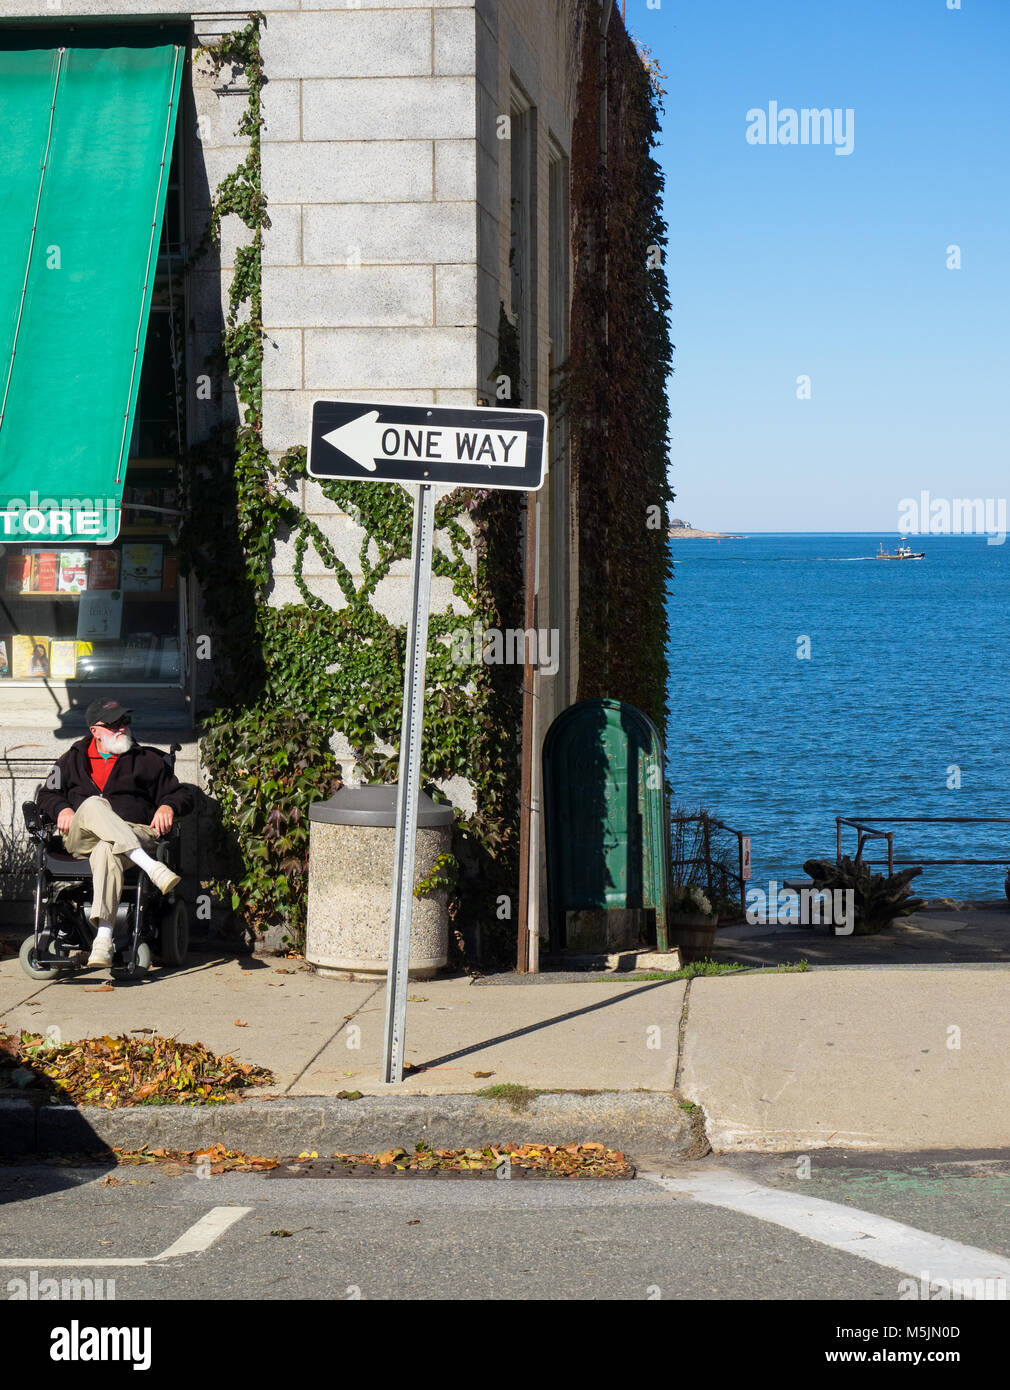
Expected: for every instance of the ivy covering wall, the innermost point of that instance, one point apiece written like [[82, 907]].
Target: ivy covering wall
[[617, 380], [286, 679]]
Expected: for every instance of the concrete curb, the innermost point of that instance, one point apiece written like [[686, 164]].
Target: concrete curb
[[639, 1124], [617, 962]]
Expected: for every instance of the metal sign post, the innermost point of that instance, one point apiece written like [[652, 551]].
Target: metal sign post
[[411, 729], [428, 449]]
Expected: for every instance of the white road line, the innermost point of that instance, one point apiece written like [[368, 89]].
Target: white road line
[[205, 1232], [861, 1233], [200, 1236], [100, 1263]]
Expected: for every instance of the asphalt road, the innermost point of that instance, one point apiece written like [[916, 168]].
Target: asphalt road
[[405, 1239]]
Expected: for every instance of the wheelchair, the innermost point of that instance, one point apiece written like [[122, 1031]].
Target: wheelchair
[[148, 923]]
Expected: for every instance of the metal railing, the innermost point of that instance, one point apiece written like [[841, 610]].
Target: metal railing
[[866, 832], [716, 868]]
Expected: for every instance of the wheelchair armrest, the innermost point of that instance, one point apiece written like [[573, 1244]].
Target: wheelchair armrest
[[167, 844], [37, 823]]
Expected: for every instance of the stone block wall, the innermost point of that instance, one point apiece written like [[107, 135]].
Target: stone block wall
[[370, 265]]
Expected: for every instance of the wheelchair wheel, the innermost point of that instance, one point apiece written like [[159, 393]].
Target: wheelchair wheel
[[173, 934], [31, 966], [138, 967]]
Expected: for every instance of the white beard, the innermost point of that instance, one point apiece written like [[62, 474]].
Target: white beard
[[115, 743]]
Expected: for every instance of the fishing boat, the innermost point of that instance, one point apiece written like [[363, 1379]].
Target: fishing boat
[[903, 552]]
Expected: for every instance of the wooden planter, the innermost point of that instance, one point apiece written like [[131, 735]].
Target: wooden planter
[[693, 933]]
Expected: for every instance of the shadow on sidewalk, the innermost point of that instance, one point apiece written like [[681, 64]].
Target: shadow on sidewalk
[[201, 957], [535, 1027]]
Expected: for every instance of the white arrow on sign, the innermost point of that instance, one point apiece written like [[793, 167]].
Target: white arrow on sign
[[365, 440]]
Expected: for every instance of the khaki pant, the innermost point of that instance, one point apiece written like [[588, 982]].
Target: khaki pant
[[97, 834]]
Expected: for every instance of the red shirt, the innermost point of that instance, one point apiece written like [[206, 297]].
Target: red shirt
[[100, 767]]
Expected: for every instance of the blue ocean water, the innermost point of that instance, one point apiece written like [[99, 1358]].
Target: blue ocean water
[[905, 691]]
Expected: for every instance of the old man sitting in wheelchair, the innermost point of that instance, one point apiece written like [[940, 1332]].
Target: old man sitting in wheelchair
[[112, 800]]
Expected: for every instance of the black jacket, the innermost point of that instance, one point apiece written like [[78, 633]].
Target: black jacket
[[140, 782]]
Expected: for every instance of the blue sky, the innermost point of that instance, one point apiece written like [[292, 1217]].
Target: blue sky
[[792, 260]]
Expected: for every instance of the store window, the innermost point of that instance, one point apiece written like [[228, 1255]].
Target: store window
[[78, 613]]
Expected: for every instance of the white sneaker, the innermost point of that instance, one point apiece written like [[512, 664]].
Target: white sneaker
[[101, 951], [162, 877]]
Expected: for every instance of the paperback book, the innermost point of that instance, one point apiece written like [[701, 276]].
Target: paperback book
[[103, 568], [19, 572], [45, 573], [63, 659], [100, 614], [73, 571], [30, 656], [141, 567]]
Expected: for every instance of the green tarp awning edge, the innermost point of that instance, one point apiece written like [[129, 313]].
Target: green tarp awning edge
[[84, 164]]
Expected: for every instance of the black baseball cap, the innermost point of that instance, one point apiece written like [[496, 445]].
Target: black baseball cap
[[105, 712]]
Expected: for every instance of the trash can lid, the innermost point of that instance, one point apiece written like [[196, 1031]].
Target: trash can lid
[[375, 806]]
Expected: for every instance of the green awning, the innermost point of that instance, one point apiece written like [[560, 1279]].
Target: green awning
[[86, 128]]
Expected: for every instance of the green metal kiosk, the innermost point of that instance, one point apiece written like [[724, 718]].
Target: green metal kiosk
[[605, 816]]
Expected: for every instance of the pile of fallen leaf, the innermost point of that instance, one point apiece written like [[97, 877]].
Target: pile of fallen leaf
[[110, 1072], [554, 1160], [589, 1160], [213, 1160]]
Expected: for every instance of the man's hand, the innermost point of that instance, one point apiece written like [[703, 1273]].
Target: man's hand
[[163, 818], [63, 820]]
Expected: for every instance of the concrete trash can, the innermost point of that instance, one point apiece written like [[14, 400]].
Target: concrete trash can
[[351, 840]]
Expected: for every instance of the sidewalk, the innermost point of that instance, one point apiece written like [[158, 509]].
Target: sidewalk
[[320, 1036], [602, 1056], [885, 1057], [868, 1058]]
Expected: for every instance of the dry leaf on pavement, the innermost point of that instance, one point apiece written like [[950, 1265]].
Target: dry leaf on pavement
[[125, 1070]]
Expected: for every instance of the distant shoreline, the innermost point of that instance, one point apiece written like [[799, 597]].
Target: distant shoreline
[[688, 533]]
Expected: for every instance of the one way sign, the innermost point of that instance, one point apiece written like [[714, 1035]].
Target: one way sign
[[391, 443]]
